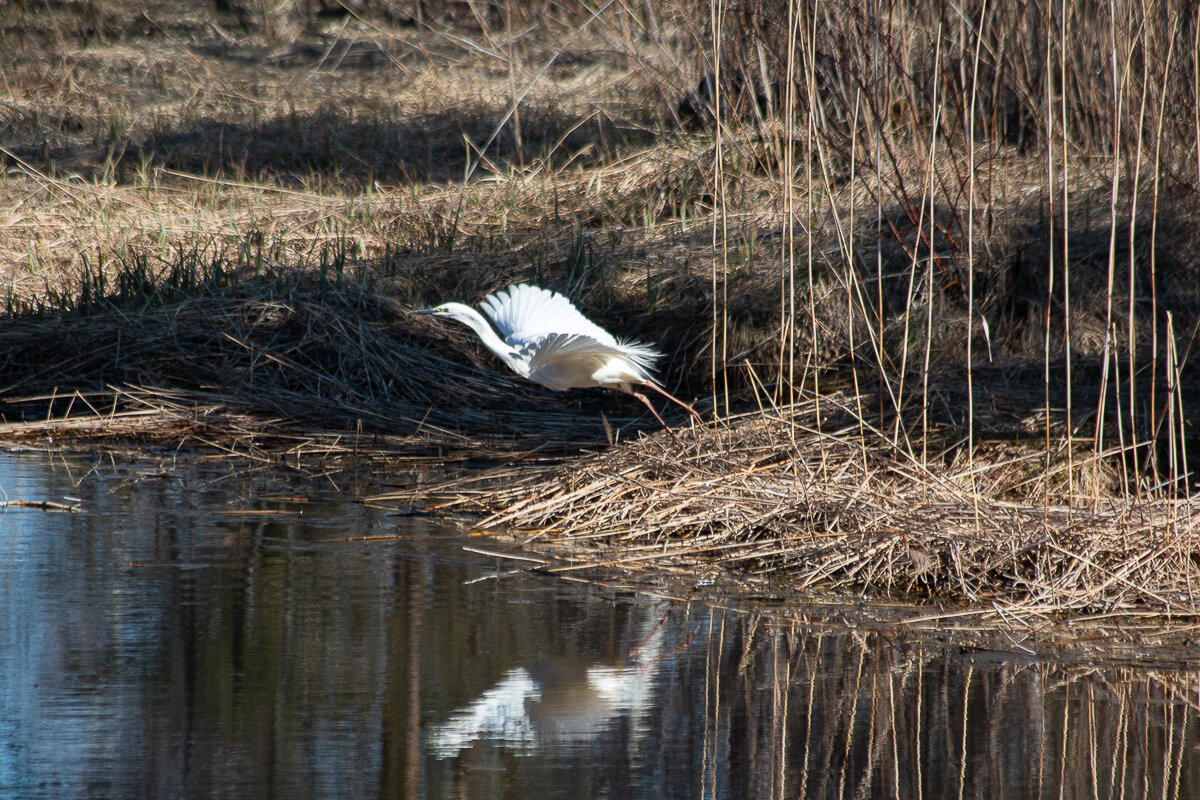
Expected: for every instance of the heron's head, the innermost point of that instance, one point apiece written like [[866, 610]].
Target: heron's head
[[451, 310], [455, 311]]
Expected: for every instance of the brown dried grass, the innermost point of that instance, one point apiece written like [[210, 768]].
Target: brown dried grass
[[277, 360], [771, 496]]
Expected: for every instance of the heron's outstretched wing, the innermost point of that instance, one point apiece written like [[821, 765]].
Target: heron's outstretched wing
[[559, 348], [525, 314]]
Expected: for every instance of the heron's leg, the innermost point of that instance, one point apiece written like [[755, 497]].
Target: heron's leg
[[642, 397], [669, 396]]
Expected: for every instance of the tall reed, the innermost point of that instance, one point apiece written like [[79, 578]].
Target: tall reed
[[903, 140]]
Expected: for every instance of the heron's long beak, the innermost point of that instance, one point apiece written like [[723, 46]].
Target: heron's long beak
[[424, 310]]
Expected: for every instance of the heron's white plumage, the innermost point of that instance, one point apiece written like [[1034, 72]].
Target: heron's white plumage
[[545, 339], [567, 361], [524, 314]]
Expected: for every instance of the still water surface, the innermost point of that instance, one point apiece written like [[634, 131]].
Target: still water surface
[[196, 633]]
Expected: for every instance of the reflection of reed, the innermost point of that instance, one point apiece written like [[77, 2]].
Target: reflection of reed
[[713, 733], [401, 765], [793, 712]]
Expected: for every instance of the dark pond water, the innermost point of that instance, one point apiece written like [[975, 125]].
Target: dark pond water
[[196, 633]]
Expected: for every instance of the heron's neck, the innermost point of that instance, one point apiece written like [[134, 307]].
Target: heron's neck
[[508, 354]]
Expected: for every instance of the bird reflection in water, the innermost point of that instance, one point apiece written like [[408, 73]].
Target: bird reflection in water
[[556, 701]]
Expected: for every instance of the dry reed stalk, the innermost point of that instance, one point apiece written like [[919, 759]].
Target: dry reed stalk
[[749, 500]]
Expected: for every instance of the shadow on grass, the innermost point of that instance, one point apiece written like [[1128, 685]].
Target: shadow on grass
[[1054, 323], [353, 148]]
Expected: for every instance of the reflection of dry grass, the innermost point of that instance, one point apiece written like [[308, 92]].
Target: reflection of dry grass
[[849, 715]]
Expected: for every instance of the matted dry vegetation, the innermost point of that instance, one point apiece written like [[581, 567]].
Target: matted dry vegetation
[[805, 506], [930, 268], [271, 360]]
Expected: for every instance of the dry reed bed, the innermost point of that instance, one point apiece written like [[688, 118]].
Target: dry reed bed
[[773, 497], [282, 361]]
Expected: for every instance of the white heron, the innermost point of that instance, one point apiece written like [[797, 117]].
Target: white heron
[[548, 341]]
